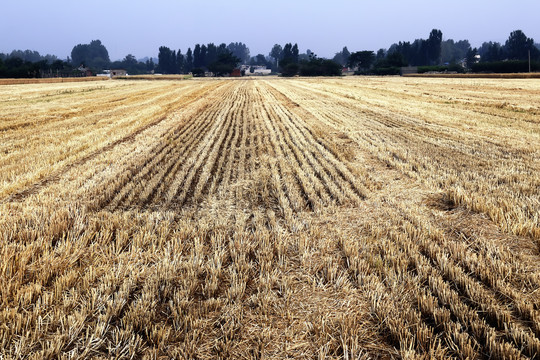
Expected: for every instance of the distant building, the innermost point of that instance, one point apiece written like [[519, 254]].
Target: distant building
[[348, 71], [257, 70], [118, 72], [84, 71], [236, 73]]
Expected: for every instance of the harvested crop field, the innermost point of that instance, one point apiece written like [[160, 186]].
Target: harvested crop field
[[279, 218]]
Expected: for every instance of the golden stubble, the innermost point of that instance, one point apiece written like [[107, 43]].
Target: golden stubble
[[306, 218]]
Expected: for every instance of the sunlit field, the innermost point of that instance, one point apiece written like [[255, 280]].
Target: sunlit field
[[270, 218]]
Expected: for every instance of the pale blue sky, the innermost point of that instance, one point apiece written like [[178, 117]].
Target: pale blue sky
[[140, 27]]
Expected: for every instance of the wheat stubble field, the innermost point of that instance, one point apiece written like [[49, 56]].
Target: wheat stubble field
[[281, 218]]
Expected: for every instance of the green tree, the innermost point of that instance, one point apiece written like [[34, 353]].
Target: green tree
[[289, 69], [225, 64], [260, 60], [287, 54], [491, 51], [93, 55], [420, 52], [276, 53], [180, 62], [130, 60], [289, 60], [150, 66], [188, 66], [434, 47], [518, 46], [361, 59], [454, 51], [166, 61], [319, 67], [211, 53], [342, 57], [131, 65], [240, 50], [197, 61], [396, 60], [204, 56], [79, 55], [295, 52], [222, 48], [471, 57], [197, 72]]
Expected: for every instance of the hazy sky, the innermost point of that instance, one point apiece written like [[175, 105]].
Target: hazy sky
[[141, 27]]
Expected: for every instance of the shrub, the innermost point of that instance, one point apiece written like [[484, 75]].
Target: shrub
[[513, 66], [452, 67], [197, 72], [320, 67]]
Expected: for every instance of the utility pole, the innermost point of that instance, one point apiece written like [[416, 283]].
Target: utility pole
[[529, 60]]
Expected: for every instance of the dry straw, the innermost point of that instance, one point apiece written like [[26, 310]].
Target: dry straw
[[300, 218]]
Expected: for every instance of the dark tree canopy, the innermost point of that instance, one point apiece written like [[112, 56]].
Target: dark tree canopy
[[197, 60], [295, 52], [93, 55], [167, 61], [433, 54], [319, 67], [470, 57], [518, 46], [491, 51], [421, 52], [361, 59], [204, 56], [287, 55], [260, 60], [29, 56], [211, 54], [240, 50], [454, 51], [15, 67], [434, 47], [133, 66], [189, 61], [225, 64], [276, 53], [180, 62], [342, 57]]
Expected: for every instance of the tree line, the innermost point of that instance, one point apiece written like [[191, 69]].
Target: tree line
[[220, 60], [432, 53], [436, 54]]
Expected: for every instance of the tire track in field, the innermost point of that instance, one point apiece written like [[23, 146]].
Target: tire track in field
[[206, 154], [146, 167], [174, 160], [319, 149], [231, 148], [224, 169], [143, 167], [299, 192], [184, 169], [215, 154], [143, 183], [338, 181]]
